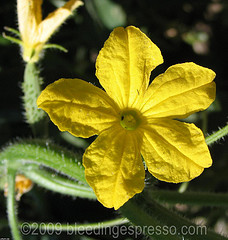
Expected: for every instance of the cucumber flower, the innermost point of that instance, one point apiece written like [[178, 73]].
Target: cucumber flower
[[34, 31], [134, 119]]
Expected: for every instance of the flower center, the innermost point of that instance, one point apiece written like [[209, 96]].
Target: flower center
[[129, 119]]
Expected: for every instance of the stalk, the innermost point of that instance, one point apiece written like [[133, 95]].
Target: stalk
[[11, 206]]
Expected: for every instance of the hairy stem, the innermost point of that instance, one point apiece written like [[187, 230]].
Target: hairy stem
[[11, 206], [46, 154], [56, 183], [217, 135]]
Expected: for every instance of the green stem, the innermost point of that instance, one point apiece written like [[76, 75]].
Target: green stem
[[145, 222], [76, 227], [32, 88], [75, 141], [144, 211], [59, 47], [57, 183], [12, 30], [11, 203], [43, 153], [191, 198], [217, 135], [183, 187], [12, 39]]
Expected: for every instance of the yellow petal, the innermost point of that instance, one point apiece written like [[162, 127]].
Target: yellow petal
[[113, 166], [29, 16], [78, 107], [50, 24], [175, 151], [183, 89], [124, 64]]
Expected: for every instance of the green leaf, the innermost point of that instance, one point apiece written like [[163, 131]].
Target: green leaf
[[111, 14]]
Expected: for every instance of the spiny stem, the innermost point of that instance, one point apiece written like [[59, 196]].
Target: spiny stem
[[217, 135], [11, 203], [57, 183], [43, 153]]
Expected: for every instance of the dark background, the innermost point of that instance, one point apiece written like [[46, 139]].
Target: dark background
[[184, 30]]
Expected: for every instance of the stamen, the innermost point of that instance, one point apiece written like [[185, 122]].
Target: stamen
[[130, 119]]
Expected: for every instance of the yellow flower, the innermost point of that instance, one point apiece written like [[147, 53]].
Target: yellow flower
[[134, 119], [34, 31]]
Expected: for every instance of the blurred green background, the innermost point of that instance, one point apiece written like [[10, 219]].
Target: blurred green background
[[184, 30]]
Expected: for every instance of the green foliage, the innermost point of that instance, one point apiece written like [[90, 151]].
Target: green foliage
[[110, 13]]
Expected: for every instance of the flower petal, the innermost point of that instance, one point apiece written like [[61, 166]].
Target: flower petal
[[124, 64], [29, 16], [182, 90], [175, 151], [113, 166], [50, 24], [78, 107]]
